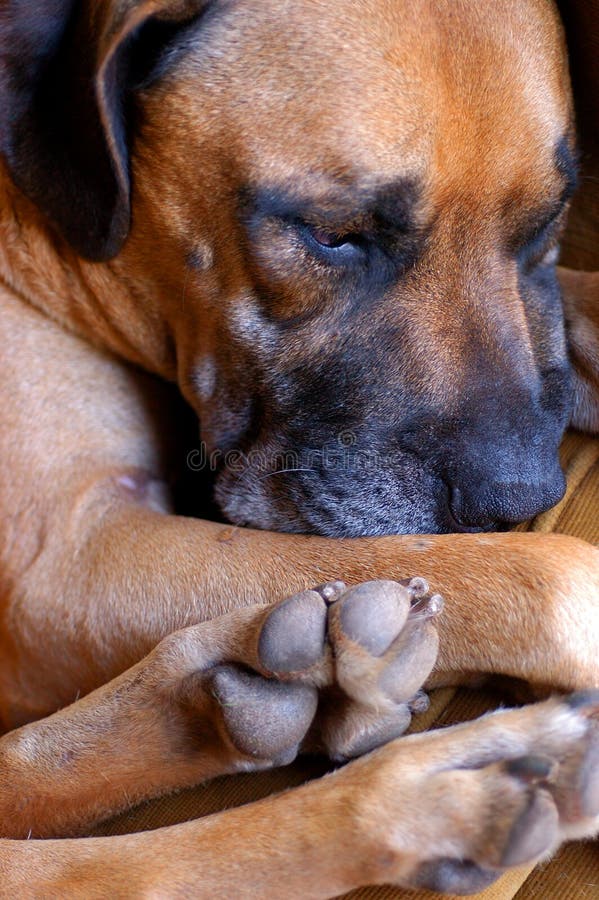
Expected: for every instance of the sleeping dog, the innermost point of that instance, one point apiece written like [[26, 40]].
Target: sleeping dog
[[332, 228]]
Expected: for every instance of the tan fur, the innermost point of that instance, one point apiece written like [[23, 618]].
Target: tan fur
[[103, 589]]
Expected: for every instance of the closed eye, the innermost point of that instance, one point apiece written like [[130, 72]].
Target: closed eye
[[331, 245], [545, 227], [535, 245], [328, 238]]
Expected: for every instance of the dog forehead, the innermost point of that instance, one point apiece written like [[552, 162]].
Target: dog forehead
[[382, 87]]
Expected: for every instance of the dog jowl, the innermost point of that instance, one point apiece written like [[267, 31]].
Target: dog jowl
[[363, 226]]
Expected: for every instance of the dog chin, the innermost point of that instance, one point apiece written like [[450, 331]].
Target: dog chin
[[250, 506]]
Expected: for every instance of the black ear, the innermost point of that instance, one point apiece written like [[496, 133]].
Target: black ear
[[65, 79]]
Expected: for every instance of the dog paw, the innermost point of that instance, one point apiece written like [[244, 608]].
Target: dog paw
[[500, 792], [345, 665], [384, 640]]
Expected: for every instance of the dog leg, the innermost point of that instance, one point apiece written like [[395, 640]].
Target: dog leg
[[234, 694], [97, 571], [581, 307], [520, 605], [448, 810]]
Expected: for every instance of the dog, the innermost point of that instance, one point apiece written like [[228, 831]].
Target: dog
[[332, 228]]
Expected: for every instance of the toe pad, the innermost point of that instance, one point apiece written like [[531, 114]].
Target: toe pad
[[263, 718], [293, 636], [373, 614]]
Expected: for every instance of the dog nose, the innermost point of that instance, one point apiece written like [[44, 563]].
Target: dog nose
[[484, 504]]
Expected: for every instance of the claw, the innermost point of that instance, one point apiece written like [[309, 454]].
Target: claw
[[428, 607], [417, 587], [331, 590], [419, 703]]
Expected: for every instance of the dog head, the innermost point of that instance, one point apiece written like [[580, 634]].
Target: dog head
[[346, 217]]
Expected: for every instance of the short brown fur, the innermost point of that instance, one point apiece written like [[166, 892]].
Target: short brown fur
[[113, 604]]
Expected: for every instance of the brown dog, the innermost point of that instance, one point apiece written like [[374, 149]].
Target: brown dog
[[333, 226]]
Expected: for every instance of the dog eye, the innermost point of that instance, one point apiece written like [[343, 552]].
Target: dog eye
[[334, 246], [541, 243], [328, 239]]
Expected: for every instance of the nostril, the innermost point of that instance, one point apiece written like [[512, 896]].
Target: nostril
[[467, 522]]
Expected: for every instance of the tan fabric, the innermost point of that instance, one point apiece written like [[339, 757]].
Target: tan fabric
[[573, 874]]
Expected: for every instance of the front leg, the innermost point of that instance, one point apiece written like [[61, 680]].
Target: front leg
[[96, 571], [238, 693], [449, 810], [521, 605]]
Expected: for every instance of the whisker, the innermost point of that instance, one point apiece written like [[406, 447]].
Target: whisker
[[282, 471]]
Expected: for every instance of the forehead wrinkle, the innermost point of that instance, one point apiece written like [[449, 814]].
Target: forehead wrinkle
[[357, 105], [389, 203]]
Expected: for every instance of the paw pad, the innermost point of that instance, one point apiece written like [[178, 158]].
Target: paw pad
[[263, 718], [535, 832], [293, 636], [452, 876], [374, 613]]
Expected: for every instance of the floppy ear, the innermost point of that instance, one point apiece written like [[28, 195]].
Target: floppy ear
[[66, 71]]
